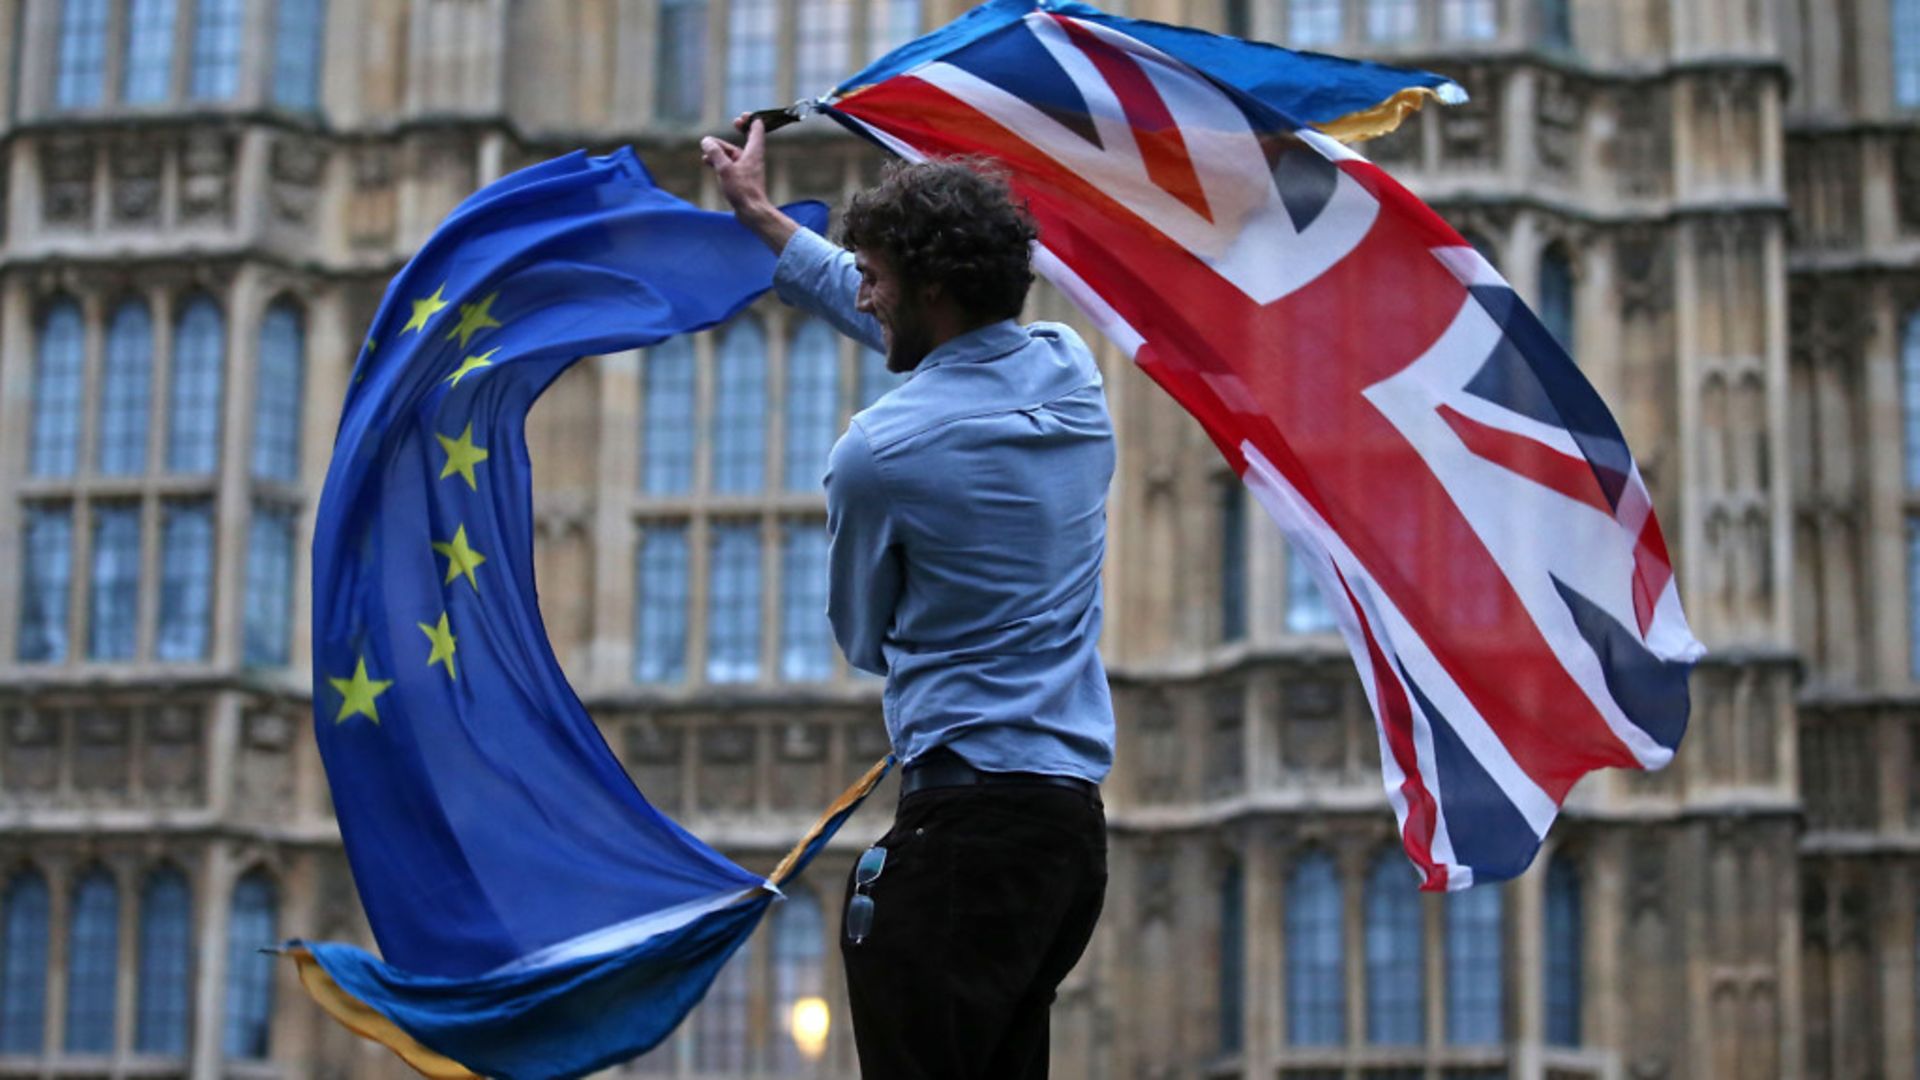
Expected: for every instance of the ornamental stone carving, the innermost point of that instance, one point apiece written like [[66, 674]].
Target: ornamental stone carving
[[1643, 142], [653, 759], [66, 181], [30, 761], [1556, 124], [206, 177], [726, 768], [171, 772], [1470, 132], [102, 761], [293, 169], [136, 168]]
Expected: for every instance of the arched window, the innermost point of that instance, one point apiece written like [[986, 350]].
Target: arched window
[[753, 35], [59, 390], [1392, 20], [680, 61], [1315, 22], [113, 611], [740, 410], [801, 1022], [147, 76], [823, 39], [25, 934], [45, 585], [720, 1028], [875, 379], [219, 27], [733, 604], [126, 392], [282, 371], [199, 370], [1556, 295], [82, 58], [252, 925], [668, 438], [1906, 52], [1562, 929], [1476, 969], [813, 383], [891, 24], [1316, 955], [1233, 958], [660, 611], [299, 40], [1909, 397], [166, 965], [93, 962], [1233, 559], [1396, 954], [186, 580], [1556, 24], [806, 651]]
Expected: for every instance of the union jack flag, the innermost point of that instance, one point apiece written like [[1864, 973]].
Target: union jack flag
[[1465, 499]]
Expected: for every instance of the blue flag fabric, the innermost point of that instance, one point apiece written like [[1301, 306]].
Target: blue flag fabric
[[536, 916]]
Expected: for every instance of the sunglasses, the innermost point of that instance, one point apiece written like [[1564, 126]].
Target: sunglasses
[[860, 905]]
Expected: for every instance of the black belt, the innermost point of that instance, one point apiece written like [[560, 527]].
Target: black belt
[[944, 768]]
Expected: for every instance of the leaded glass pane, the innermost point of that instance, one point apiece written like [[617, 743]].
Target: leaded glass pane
[[82, 58], [299, 40], [59, 389], [276, 433], [193, 409], [1233, 959], [822, 45], [799, 984], [1906, 52], [1316, 964], [25, 936], [806, 650], [1469, 20], [680, 63], [720, 1022], [148, 75], [186, 582], [1396, 954], [739, 437], [733, 604], [46, 584], [1307, 610], [126, 391], [813, 406], [219, 27], [890, 24], [753, 32], [1476, 970], [93, 961], [1563, 944], [113, 613], [667, 439], [269, 612], [251, 927], [1233, 560], [1909, 397], [165, 1000], [1392, 20], [1556, 296], [1556, 24], [875, 379], [1314, 22], [660, 611]]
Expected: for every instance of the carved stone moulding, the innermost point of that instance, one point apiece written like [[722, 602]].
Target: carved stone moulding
[[207, 161], [1470, 132], [66, 181], [1559, 111], [136, 166]]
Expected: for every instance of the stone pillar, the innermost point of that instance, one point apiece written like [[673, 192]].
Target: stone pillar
[[215, 896]]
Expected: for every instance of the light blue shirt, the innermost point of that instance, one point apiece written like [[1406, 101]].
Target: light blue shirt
[[967, 513]]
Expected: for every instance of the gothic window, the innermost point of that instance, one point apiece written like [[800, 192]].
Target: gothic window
[[93, 961], [1316, 962], [252, 925], [125, 390], [199, 367], [805, 650], [269, 612], [1233, 559], [299, 40], [1556, 295], [1476, 998], [58, 391], [680, 63], [823, 36], [46, 576], [800, 1019], [813, 378], [1233, 958], [720, 1024], [875, 379], [186, 581], [147, 76], [276, 413], [1906, 52], [25, 933], [1307, 610], [114, 600], [1392, 20], [82, 57], [667, 446], [740, 410], [1556, 24], [660, 613], [753, 31], [1314, 22], [1909, 396], [891, 24], [1562, 953], [733, 604], [1396, 954], [1469, 20], [218, 29], [166, 965]]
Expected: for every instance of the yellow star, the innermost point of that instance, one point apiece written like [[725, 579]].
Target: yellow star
[[461, 559], [426, 309], [358, 694], [471, 364], [462, 456], [473, 319], [442, 638], [369, 345]]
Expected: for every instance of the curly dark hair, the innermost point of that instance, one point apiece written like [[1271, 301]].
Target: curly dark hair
[[954, 222]]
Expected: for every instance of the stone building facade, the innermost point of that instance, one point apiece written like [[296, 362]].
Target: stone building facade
[[1716, 203]]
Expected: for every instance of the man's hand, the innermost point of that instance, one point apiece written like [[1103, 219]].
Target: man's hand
[[742, 172]]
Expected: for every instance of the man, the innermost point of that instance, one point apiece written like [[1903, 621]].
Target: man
[[967, 514]]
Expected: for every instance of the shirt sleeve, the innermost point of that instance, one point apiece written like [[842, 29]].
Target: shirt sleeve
[[864, 569], [817, 275]]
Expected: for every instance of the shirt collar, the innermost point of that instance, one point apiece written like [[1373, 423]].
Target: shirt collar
[[989, 342]]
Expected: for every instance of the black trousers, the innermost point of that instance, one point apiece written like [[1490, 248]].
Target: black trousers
[[988, 897]]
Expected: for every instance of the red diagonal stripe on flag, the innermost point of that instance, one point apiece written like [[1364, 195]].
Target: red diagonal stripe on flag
[[1538, 462], [1161, 146]]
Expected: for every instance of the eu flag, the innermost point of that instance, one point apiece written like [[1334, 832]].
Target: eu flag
[[536, 916]]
